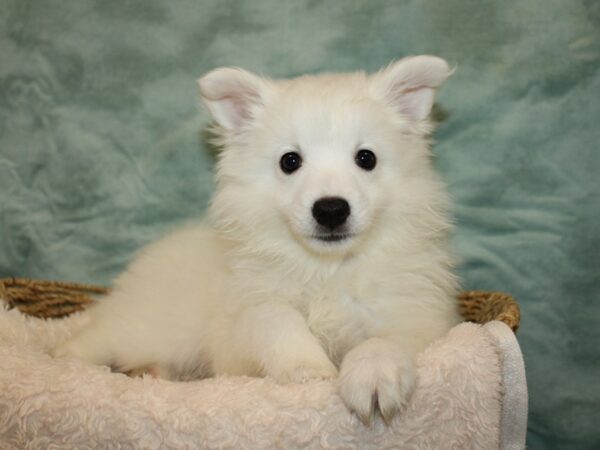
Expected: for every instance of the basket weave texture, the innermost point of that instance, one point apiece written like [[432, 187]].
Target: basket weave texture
[[55, 299]]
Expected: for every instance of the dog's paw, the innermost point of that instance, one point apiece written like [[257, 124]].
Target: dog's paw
[[63, 350], [375, 377], [84, 346], [152, 370], [300, 371]]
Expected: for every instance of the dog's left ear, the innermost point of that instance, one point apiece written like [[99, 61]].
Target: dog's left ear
[[233, 95], [409, 85]]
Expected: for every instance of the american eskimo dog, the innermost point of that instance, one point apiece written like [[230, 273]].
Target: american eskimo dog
[[325, 254]]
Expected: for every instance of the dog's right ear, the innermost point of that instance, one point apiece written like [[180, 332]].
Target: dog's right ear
[[233, 95]]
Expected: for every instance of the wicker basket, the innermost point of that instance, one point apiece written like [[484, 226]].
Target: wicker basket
[[55, 299]]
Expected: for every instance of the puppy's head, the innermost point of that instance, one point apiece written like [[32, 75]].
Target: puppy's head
[[323, 161]]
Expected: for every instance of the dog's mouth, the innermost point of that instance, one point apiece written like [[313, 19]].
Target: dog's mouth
[[332, 237]]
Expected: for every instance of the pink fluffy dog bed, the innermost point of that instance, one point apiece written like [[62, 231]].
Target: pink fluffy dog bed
[[471, 393]]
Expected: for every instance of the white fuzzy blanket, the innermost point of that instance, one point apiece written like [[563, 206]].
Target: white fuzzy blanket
[[470, 394]]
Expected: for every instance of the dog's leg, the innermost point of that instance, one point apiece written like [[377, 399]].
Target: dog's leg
[[377, 375], [99, 348], [89, 345], [275, 339]]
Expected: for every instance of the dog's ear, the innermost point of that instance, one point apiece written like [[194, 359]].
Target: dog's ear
[[409, 84], [232, 95]]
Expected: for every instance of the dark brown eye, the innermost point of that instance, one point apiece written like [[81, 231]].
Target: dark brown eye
[[365, 159], [290, 162]]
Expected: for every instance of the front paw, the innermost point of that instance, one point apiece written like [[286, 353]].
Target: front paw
[[376, 376]]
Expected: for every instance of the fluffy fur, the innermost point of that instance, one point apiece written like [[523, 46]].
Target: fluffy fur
[[257, 291]]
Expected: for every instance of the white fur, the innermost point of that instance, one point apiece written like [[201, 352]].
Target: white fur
[[253, 293]]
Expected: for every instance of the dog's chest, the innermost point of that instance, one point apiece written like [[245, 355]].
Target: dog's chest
[[339, 316]]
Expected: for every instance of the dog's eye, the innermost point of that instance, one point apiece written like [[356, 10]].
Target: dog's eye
[[365, 159], [290, 162]]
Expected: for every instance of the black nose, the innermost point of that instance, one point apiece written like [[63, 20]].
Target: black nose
[[331, 212]]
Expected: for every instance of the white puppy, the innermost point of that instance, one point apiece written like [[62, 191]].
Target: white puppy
[[326, 250]]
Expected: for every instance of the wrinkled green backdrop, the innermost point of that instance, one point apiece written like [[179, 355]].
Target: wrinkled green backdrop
[[101, 148]]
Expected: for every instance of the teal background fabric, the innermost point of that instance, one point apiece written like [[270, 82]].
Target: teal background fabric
[[102, 145]]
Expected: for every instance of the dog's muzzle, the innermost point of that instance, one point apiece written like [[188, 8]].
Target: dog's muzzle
[[331, 214]]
